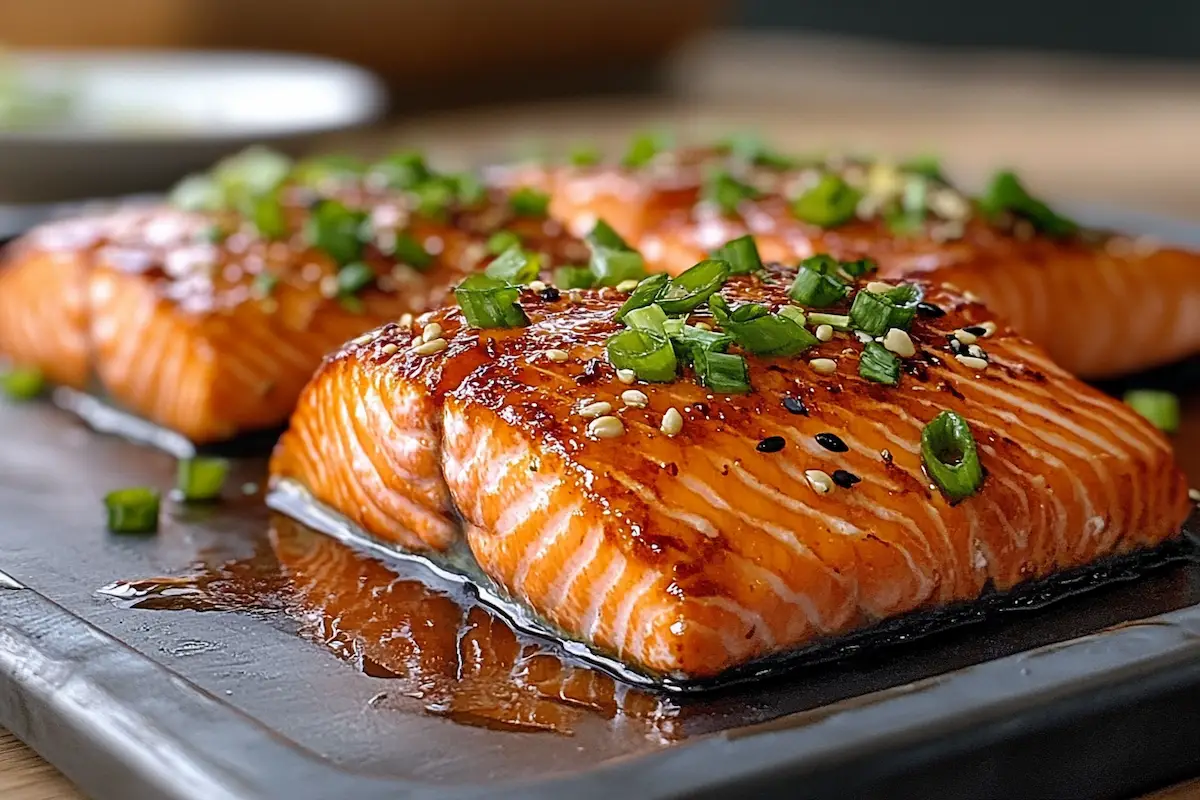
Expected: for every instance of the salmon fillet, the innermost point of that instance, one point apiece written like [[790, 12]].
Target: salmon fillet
[[1101, 304], [214, 338], [774, 519]]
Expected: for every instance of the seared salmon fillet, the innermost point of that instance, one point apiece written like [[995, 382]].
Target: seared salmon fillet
[[1101, 304], [687, 531], [203, 322]]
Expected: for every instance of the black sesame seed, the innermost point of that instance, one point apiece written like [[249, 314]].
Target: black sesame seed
[[771, 444], [549, 294], [831, 441], [795, 405], [930, 310], [844, 479], [978, 330]]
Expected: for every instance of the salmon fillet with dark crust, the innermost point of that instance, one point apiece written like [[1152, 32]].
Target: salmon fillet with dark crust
[[214, 338], [1101, 304], [794, 513]]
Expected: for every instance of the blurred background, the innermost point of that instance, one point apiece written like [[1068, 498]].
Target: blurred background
[[1095, 102]]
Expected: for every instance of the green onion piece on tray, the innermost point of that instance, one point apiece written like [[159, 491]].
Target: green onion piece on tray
[[353, 278], [320, 171], [435, 197], [724, 373], [795, 314], [468, 188], [753, 327], [197, 193], [583, 156], [643, 148], [879, 364], [1007, 193], [489, 302], [741, 254], [691, 339], [816, 285], [22, 383], [337, 230], [647, 353], [832, 202], [603, 235], [500, 241], [251, 173], [645, 293], [727, 192], [404, 170], [133, 510], [649, 318], [613, 267], [1161, 408], [874, 313], [515, 266], [574, 277], [529, 202], [840, 322], [859, 268], [948, 451], [269, 217], [201, 479], [407, 250], [692, 287], [926, 166]]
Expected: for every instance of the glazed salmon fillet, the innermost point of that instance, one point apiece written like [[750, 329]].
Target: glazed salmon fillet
[[686, 531], [1101, 304], [200, 323]]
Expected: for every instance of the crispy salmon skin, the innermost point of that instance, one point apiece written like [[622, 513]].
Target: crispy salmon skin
[[1102, 304], [685, 531]]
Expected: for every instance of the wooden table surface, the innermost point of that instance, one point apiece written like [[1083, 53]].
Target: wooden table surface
[[1113, 134]]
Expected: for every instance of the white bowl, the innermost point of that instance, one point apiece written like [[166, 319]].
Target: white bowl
[[137, 121]]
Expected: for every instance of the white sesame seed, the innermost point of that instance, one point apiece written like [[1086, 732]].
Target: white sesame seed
[[574, 296], [430, 332], [405, 320], [417, 341], [899, 342], [1194, 495], [626, 375], [627, 286], [430, 347], [989, 327], [704, 326], [605, 428], [635, 398], [557, 356], [862, 336], [819, 481], [537, 286], [823, 366], [971, 297], [971, 361], [596, 409], [879, 287], [328, 286], [976, 351], [949, 204], [389, 349], [672, 422], [366, 338], [824, 332], [965, 336]]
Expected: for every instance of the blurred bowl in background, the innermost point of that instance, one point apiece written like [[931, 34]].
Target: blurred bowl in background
[[90, 123]]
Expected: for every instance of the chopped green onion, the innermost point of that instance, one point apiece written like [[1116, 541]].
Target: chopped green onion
[[407, 250], [795, 314], [691, 339], [1161, 408], [856, 269], [646, 292], [603, 235], [909, 219], [647, 353], [727, 192], [813, 287], [435, 197], [500, 241], [269, 217], [650, 318], [742, 255], [574, 277], [759, 331], [213, 234], [337, 230], [197, 193], [832, 202], [673, 326], [584, 156], [489, 302], [750, 149], [948, 450], [321, 170], [692, 287], [723, 373], [351, 303], [875, 313], [265, 283], [612, 267], [879, 364], [1006, 193], [353, 278], [403, 170], [251, 173], [840, 322], [200, 479], [515, 266], [468, 188], [22, 383], [529, 202], [926, 166], [643, 148], [133, 510]]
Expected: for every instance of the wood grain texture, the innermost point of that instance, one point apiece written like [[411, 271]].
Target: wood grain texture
[[1119, 135]]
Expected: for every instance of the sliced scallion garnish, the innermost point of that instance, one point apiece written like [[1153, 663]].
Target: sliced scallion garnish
[[515, 266], [133, 510], [691, 339], [468, 188], [529, 202], [407, 250], [197, 193], [337, 230], [742, 255], [646, 292], [319, 171], [489, 302], [647, 353], [353, 278], [832, 202], [649, 318], [249, 174], [643, 148], [839, 322], [749, 148], [757, 330], [201, 479], [950, 457], [574, 277], [692, 287], [604, 235], [724, 373], [583, 156], [435, 197], [1007, 193], [1161, 408], [815, 284], [269, 216], [856, 269], [500, 241], [613, 267], [875, 313], [727, 192], [879, 364], [404, 170], [22, 383], [795, 314], [926, 166]]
